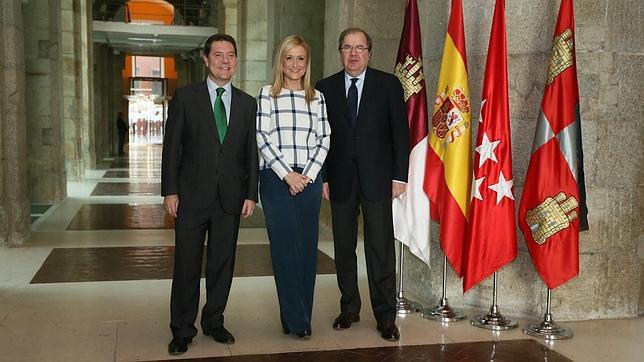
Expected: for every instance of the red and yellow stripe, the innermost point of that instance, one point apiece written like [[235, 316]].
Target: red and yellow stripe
[[449, 159]]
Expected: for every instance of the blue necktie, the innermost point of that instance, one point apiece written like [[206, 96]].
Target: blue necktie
[[352, 102]]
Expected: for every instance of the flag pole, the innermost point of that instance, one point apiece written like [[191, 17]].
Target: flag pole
[[404, 305], [443, 312], [548, 329], [493, 320]]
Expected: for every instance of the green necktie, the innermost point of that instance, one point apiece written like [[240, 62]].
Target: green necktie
[[220, 114]]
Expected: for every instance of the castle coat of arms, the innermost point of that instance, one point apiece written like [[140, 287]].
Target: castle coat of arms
[[410, 74], [551, 216]]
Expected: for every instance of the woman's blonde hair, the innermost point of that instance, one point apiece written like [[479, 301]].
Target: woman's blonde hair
[[287, 44]]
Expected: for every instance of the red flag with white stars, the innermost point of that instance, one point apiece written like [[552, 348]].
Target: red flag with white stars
[[491, 234]]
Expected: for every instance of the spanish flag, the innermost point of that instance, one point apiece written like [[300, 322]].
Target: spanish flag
[[449, 160]]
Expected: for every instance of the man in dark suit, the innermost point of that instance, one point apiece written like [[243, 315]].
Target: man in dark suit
[[209, 179], [365, 168]]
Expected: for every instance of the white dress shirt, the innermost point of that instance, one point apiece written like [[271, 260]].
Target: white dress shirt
[[226, 97], [359, 85]]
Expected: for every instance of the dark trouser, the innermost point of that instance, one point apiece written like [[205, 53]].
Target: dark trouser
[[292, 225], [121, 142], [191, 228], [379, 253]]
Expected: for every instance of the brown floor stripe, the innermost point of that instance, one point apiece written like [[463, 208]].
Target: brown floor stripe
[[128, 217], [524, 350], [71, 265], [133, 174], [126, 189]]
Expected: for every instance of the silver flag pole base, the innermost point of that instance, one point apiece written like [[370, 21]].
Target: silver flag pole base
[[443, 312], [493, 320], [406, 306], [548, 329]]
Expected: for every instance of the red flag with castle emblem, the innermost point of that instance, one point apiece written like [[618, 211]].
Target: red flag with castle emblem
[[491, 234], [411, 209], [553, 203]]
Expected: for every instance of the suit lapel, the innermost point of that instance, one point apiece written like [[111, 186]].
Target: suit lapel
[[205, 107], [233, 122], [367, 89], [342, 94]]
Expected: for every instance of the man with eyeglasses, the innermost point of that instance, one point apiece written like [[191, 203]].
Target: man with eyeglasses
[[365, 168]]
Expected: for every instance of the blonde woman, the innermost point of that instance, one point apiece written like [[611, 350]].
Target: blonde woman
[[293, 140]]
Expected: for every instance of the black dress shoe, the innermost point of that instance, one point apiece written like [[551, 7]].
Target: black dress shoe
[[286, 330], [343, 321], [179, 345], [305, 334], [221, 335], [389, 331]]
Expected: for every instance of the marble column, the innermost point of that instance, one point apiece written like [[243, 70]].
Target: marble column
[[72, 89], [47, 179], [14, 205], [252, 30], [227, 12]]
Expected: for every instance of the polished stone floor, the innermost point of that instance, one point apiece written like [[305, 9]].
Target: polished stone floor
[[136, 216], [524, 350], [73, 265], [112, 319]]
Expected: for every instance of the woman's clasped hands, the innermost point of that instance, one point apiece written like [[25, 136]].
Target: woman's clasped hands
[[296, 182]]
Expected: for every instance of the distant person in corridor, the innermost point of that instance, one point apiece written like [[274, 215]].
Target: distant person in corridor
[[121, 128]]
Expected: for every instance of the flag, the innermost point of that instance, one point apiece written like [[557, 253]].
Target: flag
[[449, 156], [553, 209], [411, 209], [491, 233]]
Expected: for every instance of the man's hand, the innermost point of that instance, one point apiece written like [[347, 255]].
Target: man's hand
[[248, 208], [171, 204], [325, 191], [397, 189]]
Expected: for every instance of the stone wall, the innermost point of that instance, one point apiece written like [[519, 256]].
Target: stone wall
[[376, 18], [289, 17], [609, 57]]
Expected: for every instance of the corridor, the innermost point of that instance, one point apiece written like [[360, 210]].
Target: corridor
[[93, 283]]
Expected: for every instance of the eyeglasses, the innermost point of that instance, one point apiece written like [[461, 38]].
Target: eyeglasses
[[358, 48]]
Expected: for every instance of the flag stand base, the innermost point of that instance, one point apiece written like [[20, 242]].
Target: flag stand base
[[548, 329], [406, 306], [493, 320], [443, 312]]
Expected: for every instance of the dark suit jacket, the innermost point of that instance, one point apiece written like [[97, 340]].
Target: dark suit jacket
[[378, 144], [195, 165]]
